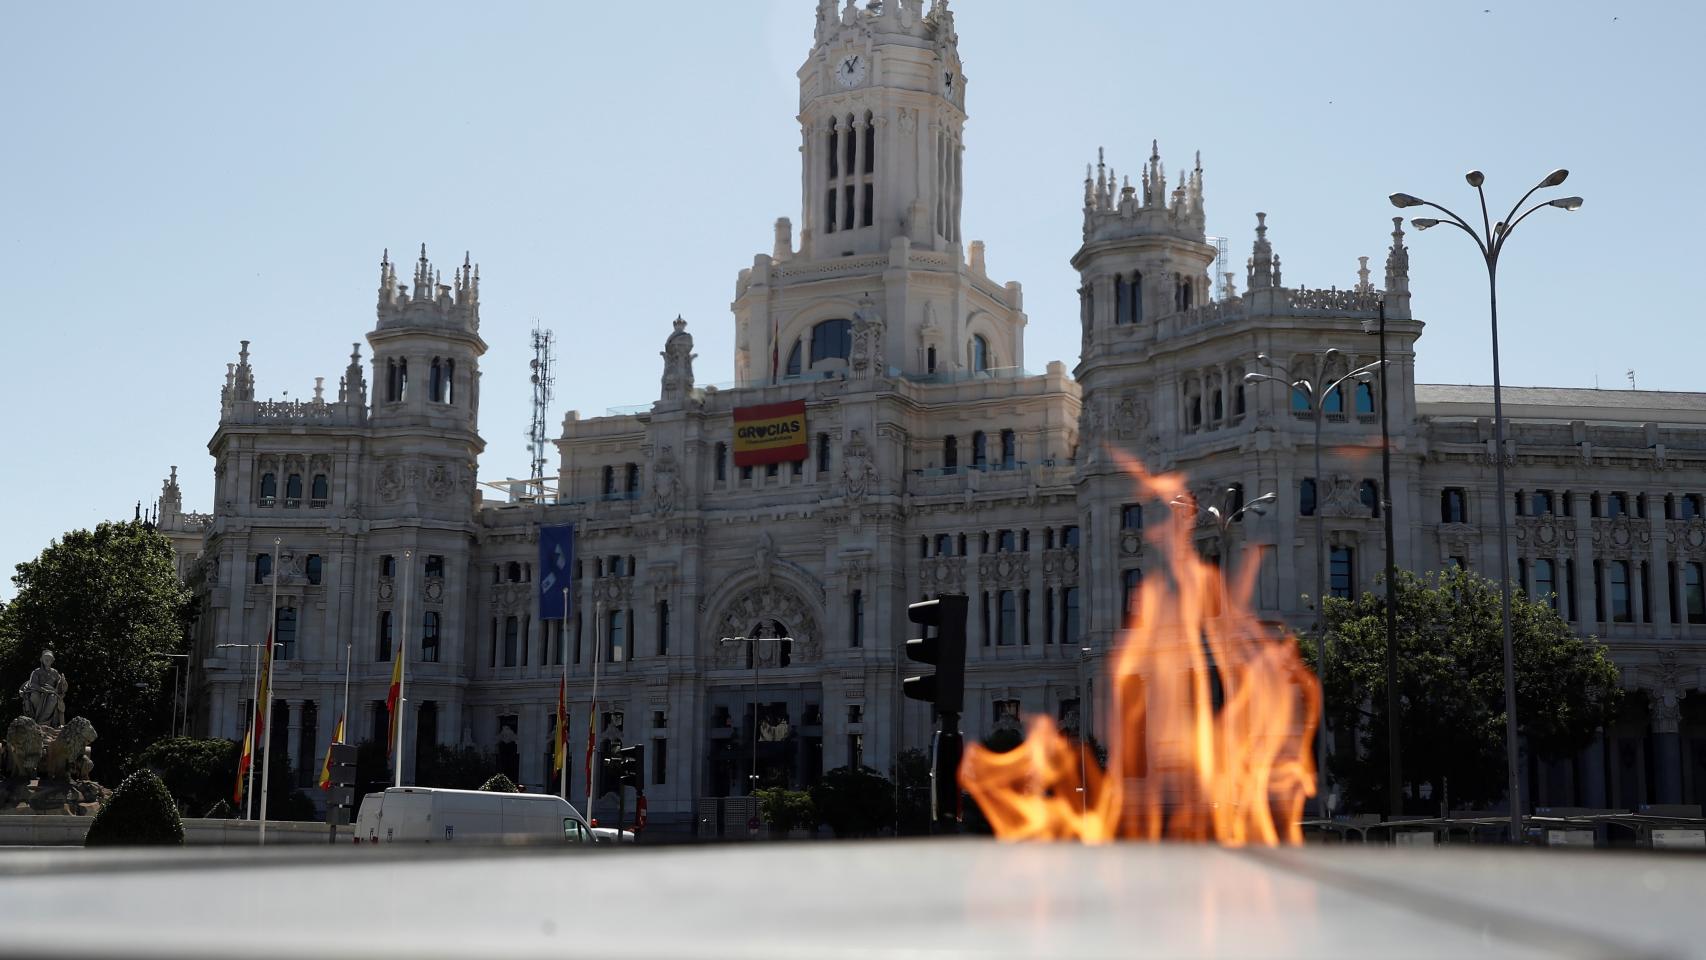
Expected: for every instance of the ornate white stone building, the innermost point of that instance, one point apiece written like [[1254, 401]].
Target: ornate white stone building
[[935, 463]]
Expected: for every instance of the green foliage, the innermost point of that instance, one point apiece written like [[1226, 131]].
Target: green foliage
[[105, 602], [140, 812], [912, 779], [1003, 740], [221, 810], [787, 809], [455, 768], [500, 784], [1451, 686], [198, 773], [854, 802]]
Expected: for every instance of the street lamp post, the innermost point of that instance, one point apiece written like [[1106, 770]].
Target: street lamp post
[[1491, 242], [186, 673], [1317, 389], [1394, 766], [752, 774]]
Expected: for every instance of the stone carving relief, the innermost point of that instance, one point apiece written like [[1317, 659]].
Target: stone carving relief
[[761, 605], [666, 482], [1665, 687], [764, 558], [866, 359], [1131, 416], [1687, 538], [1618, 537], [944, 575], [1343, 500], [439, 481], [1060, 566], [1545, 535], [1008, 570], [391, 482], [1089, 435], [858, 467]]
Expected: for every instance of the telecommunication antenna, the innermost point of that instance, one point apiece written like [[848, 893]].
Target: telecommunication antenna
[[1217, 269], [536, 434]]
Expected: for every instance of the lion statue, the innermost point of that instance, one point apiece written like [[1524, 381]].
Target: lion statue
[[23, 748], [68, 754]]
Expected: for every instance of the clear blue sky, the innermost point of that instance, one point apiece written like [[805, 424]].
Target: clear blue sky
[[181, 176]]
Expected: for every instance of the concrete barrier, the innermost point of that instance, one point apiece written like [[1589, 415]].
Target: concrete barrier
[[48, 831]]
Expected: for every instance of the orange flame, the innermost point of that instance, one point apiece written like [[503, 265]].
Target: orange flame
[[1181, 767]]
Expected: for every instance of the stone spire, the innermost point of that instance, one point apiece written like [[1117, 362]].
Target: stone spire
[[1398, 273], [423, 277], [1263, 266], [1363, 285], [243, 387]]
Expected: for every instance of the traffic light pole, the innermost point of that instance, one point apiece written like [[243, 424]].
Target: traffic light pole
[[945, 755], [943, 645]]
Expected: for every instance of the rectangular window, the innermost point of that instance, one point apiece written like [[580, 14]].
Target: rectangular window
[[1069, 616], [1069, 537], [1006, 541], [1130, 581], [855, 750], [1452, 506], [1646, 592], [829, 203], [1457, 563], [1306, 497], [1540, 504], [429, 637], [1570, 586], [660, 761], [383, 652], [1048, 615], [285, 634], [1545, 583], [315, 569], [987, 616], [434, 565], [387, 566], [1599, 591], [1131, 516], [512, 640], [1618, 575], [856, 619], [578, 633], [1024, 618], [1007, 629], [868, 204], [847, 207], [1009, 449], [1341, 572], [1616, 505], [616, 629], [663, 628], [1694, 591]]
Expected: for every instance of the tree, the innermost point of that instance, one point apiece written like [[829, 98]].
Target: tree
[[140, 812], [1451, 687], [854, 802], [500, 784], [197, 773], [912, 781], [786, 809], [107, 602]]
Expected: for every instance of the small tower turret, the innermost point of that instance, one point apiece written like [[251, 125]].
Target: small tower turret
[[1398, 274]]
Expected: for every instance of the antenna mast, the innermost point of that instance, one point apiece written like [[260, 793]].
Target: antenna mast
[[542, 379]]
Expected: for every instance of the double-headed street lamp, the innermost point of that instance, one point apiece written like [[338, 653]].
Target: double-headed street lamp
[[753, 649], [1224, 517], [1314, 387], [1491, 242], [1394, 766]]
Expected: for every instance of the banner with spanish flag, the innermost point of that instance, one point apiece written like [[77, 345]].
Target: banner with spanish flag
[[326, 765], [771, 433], [243, 768], [391, 701], [264, 688]]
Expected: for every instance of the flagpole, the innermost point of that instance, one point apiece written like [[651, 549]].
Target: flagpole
[[266, 654], [403, 663], [254, 715], [563, 699], [348, 656], [592, 714]]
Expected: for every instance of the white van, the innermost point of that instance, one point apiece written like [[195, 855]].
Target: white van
[[432, 815]]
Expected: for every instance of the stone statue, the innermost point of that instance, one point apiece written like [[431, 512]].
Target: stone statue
[[43, 693], [763, 557], [23, 749], [67, 756], [678, 362], [867, 356]]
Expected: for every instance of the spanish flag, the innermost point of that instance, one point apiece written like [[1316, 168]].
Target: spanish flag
[[391, 697], [243, 768], [591, 723], [265, 687], [326, 765], [560, 750]]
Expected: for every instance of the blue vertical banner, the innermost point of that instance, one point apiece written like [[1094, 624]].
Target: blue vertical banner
[[556, 563]]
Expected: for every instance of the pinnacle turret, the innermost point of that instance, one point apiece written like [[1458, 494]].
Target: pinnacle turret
[[1115, 206]]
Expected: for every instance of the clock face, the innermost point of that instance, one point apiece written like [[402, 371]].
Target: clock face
[[851, 71]]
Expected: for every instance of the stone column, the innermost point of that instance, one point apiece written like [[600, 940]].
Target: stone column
[[292, 747]]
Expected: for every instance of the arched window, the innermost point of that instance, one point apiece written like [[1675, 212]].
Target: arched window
[[832, 340], [315, 569], [1334, 402], [1235, 500], [293, 490], [1219, 405], [1009, 450], [1369, 493], [979, 450], [1299, 400], [449, 380], [870, 147], [609, 485], [930, 359], [435, 382], [393, 383], [950, 453], [403, 379], [979, 354], [269, 489], [721, 459], [263, 567], [1365, 398], [850, 145], [793, 369], [1238, 403], [319, 491], [512, 573], [1306, 497], [834, 161]]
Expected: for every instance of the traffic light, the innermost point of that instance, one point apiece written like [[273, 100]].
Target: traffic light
[[630, 765], [945, 647], [340, 798]]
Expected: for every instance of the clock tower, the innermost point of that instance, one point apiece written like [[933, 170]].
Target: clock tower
[[882, 117]]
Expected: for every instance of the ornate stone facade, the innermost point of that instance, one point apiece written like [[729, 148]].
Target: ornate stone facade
[[935, 464]]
